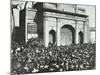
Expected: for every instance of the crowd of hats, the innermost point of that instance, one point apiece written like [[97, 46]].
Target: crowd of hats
[[32, 57]]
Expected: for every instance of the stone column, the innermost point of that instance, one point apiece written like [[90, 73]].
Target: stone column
[[46, 33], [88, 31], [85, 32], [76, 33], [26, 34], [58, 32]]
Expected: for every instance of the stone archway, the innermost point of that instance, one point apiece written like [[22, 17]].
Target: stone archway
[[67, 35], [81, 37], [52, 36]]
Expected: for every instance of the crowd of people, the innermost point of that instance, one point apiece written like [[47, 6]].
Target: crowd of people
[[31, 57]]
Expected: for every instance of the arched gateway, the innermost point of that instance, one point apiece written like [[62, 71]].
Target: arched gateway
[[60, 27], [52, 36], [51, 24], [81, 37], [67, 35]]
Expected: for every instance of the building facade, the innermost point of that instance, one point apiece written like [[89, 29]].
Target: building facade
[[60, 24]]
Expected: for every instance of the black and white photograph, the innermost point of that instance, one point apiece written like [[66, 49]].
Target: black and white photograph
[[52, 37]]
